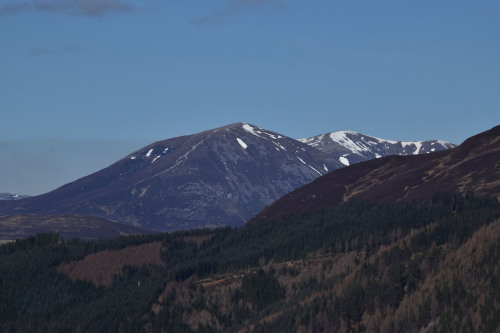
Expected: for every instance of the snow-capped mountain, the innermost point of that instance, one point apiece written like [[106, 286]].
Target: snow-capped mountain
[[351, 147], [11, 196], [218, 177]]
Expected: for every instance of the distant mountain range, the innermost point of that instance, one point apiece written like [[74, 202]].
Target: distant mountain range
[[219, 177], [352, 147]]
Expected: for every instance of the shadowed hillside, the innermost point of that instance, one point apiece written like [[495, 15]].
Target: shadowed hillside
[[399, 267]]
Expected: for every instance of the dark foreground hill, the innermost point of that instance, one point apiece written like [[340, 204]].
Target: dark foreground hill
[[415, 266], [472, 166]]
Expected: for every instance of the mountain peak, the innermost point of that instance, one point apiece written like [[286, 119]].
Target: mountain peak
[[218, 177]]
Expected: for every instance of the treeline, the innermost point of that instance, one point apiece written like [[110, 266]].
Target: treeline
[[36, 297], [353, 226]]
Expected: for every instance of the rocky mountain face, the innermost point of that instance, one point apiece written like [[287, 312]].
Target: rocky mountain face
[[473, 166], [215, 178], [351, 147]]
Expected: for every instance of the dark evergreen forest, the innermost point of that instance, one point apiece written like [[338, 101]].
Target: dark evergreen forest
[[398, 251]]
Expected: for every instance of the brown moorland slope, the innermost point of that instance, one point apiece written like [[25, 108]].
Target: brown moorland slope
[[100, 268], [472, 166]]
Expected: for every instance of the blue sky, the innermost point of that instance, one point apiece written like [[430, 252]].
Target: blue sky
[[84, 82]]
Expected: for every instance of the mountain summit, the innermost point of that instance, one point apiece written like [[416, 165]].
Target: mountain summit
[[218, 177]]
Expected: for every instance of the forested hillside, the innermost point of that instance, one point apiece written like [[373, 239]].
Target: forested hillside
[[361, 266]]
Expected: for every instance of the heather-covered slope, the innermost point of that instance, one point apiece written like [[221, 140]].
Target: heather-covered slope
[[472, 166]]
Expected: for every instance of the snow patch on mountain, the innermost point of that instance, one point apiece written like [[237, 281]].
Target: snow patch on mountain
[[319, 173], [350, 147], [252, 130], [257, 131], [280, 146], [355, 146], [344, 160], [243, 144], [301, 160]]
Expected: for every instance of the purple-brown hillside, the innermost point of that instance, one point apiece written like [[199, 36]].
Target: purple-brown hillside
[[472, 166]]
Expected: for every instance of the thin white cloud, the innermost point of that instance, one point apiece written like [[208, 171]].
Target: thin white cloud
[[223, 15], [90, 8]]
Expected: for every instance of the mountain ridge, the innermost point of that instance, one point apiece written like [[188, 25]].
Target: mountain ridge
[[471, 166], [219, 177], [354, 147]]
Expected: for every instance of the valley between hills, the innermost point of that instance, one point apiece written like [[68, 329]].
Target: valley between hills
[[392, 244]]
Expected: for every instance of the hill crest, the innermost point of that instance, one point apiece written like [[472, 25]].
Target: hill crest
[[472, 166]]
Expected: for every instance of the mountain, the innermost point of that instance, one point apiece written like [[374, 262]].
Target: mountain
[[219, 177], [351, 147], [473, 166], [11, 196], [215, 178]]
